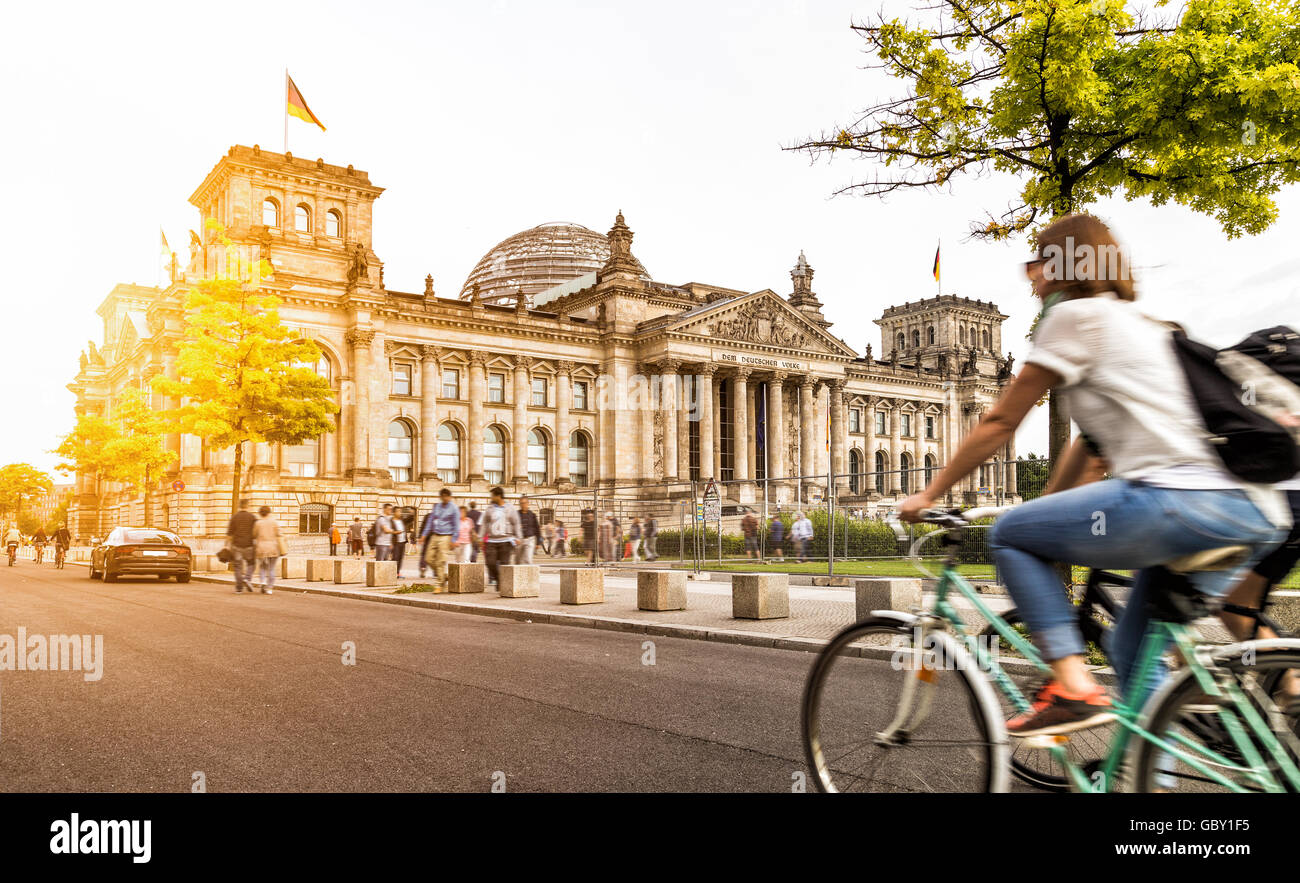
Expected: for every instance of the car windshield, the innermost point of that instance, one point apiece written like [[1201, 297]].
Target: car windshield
[[157, 537]]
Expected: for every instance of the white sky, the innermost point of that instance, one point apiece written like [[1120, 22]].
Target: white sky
[[487, 118]]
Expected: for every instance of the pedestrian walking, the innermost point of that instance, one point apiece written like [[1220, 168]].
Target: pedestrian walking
[[383, 531], [634, 538], [531, 531], [269, 546], [800, 533], [651, 539], [500, 533], [589, 534], [616, 533], [548, 537], [560, 545], [356, 538], [439, 531], [749, 527], [776, 536], [464, 537], [239, 540], [606, 542], [475, 516], [335, 539]]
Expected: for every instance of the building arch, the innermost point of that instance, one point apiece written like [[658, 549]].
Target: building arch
[[302, 217], [270, 211], [881, 467], [538, 452], [496, 453], [402, 434], [450, 450], [579, 453], [855, 471]]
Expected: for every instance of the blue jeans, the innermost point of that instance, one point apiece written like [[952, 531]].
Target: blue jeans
[[245, 563], [1118, 524], [266, 568]]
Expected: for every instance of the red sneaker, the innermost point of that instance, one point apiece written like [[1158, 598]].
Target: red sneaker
[[1056, 711]]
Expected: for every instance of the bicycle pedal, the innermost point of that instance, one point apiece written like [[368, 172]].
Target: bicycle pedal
[[1044, 742]]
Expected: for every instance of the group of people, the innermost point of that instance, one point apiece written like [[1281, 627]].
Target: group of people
[[62, 539], [255, 544], [607, 541], [801, 534]]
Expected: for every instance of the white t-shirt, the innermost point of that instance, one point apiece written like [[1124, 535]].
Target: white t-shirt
[[1123, 385]]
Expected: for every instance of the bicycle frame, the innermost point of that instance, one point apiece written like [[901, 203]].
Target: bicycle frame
[[1199, 757]]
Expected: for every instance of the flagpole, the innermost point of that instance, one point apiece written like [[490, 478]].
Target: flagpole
[[938, 267], [286, 110]]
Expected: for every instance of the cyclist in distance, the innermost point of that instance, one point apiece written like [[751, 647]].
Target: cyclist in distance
[[1169, 494], [62, 542], [39, 539]]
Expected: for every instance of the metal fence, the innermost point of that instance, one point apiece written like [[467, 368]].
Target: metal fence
[[849, 517]]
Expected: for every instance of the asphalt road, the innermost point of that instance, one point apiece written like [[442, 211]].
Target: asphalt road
[[252, 692]]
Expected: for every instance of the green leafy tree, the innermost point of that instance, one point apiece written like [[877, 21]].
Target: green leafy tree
[[20, 483], [86, 449], [242, 375], [136, 455], [1073, 101]]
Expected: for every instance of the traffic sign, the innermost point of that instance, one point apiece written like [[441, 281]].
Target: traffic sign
[[712, 502], [178, 485], [699, 512]]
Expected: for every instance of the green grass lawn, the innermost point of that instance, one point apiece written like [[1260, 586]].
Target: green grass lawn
[[874, 567]]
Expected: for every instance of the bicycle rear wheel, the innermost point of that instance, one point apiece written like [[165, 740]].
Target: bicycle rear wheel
[[1187, 713], [886, 709]]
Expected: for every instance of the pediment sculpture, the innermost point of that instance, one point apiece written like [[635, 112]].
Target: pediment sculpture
[[756, 322]]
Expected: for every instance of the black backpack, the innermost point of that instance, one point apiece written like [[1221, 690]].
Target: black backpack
[[372, 534], [1252, 445]]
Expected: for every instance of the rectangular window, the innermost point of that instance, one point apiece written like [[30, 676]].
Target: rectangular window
[[450, 383], [580, 395], [536, 461], [401, 379], [907, 424], [302, 460], [726, 433], [929, 427], [539, 392], [880, 423], [855, 420], [496, 388], [494, 461], [449, 460]]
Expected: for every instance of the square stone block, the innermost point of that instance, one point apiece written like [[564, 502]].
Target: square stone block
[[519, 580], [886, 593], [582, 585], [466, 579], [293, 567], [760, 595], [198, 561], [216, 565], [661, 590], [381, 573], [320, 569], [349, 570]]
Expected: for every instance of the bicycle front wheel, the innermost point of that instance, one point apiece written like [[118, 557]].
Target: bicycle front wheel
[[889, 709]]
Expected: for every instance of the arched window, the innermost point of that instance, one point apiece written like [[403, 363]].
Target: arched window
[[537, 457], [303, 459], [880, 472], [578, 451], [333, 223], [916, 339], [270, 212], [961, 334], [855, 471], [930, 335], [902, 341], [448, 454], [988, 340], [302, 218], [905, 476], [929, 468], [314, 518], [494, 455], [400, 457]]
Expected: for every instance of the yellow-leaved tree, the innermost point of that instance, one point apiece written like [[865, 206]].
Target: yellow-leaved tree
[[242, 376]]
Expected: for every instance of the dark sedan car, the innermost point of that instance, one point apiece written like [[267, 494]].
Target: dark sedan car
[[141, 551]]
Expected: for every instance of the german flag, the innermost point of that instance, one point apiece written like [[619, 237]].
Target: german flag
[[297, 106], [936, 257]]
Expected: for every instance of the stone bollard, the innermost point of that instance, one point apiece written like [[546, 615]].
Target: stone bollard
[[320, 569], [886, 593], [760, 595], [381, 573], [661, 590], [519, 580], [349, 570], [466, 579], [293, 567], [582, 585], [216, 565], [199, 561]]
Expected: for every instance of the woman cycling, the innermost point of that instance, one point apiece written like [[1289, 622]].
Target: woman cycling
[[1169, 495]]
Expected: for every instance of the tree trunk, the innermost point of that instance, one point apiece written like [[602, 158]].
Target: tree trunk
[[235, 478], [148, 501]]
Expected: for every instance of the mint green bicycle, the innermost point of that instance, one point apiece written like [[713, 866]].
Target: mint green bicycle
[[910, 701]]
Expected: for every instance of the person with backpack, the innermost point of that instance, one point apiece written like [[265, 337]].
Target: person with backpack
[[500, 532], [651, 539], [381, 534], [1170, 493]]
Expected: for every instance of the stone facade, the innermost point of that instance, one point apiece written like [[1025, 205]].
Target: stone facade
[[614, 381]]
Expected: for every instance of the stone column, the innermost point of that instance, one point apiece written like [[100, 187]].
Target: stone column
[[477, 393], [360, 340], [430, 383], [776, 467], [646, 410], [895, 446], [740, 434], [807, 428], [519, 431], [751, 441], [684, 428], [839, 455], [668, 408], [707, 442], [563, 401], [867, 482]]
